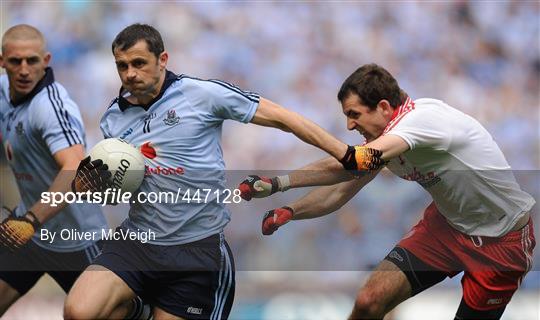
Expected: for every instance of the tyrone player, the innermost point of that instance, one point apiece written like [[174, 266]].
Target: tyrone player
[[478, 222]]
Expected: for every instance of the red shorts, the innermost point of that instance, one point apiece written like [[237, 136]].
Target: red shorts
[[493, 267]]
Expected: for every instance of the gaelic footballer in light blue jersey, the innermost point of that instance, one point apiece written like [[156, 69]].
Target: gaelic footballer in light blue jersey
[[188, 270], [181, 130], [33, 130], [42, 135]]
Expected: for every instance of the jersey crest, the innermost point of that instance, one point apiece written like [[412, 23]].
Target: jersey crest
[[172, 119]]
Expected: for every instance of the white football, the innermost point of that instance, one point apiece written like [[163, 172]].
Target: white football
[[125, 162]]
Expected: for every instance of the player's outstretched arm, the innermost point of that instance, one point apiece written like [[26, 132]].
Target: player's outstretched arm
[[327, 171], [317, 203], [270, 114], [358, 158]]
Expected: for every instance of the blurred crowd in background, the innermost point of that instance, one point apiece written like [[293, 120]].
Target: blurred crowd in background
[[480, 57]]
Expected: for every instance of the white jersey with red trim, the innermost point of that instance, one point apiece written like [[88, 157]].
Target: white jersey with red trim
[[457, 161]]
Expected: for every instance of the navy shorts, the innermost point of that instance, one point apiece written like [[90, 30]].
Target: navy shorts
[[193, 281], [23, 268]]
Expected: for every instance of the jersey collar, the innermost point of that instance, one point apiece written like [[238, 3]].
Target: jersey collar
[[399, 113], [47, 79], [124, 104]]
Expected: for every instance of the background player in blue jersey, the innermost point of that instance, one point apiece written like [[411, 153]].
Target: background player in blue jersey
[[188, 270], [43, 137]]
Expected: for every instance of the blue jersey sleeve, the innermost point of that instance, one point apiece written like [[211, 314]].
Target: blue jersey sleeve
[[222, 100], [57, 119]]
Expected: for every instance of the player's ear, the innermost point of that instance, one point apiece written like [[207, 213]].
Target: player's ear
[[162, 60], [47, 58], [385, 107], [2, 61]]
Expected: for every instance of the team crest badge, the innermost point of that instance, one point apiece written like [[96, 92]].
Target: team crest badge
[[172, 119]]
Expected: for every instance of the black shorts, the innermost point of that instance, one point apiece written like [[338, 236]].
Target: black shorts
[[23, 268], [193, 281]]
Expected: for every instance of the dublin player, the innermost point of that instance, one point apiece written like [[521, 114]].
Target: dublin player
[[43, 136], [478, 222], [188, 270]]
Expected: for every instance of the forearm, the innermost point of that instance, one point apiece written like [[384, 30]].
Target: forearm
[[61, 184], [271, 114], [317, 203], [324, 172], [311, 133], [327, 199]]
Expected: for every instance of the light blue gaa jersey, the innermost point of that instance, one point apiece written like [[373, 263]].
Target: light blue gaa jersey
[[179, 133], [32, 130]]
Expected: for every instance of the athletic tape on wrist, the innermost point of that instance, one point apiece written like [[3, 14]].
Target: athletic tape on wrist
[[284, 183]]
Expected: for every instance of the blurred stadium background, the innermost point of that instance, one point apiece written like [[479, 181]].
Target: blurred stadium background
[[482, 57]]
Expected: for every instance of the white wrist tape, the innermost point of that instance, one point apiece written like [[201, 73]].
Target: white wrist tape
[[284, 183]]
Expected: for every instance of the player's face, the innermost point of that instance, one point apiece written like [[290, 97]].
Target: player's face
[[25, 62], [140, 70], [370, 123]]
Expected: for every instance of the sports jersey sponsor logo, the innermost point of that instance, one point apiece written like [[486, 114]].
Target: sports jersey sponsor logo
[[120, 173], [23, 176], [127, 133], [194, 310], [172, 119], [425, 180], [19, 129], [163, 171], [148, 151]]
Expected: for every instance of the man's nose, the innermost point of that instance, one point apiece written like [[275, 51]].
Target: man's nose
[[131, 73], [351, 124], [24, 71]]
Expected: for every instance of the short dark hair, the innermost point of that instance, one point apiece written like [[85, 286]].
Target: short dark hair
[[132, 34], [372, 83]]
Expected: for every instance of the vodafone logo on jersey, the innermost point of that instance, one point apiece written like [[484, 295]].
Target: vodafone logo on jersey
[[159, 170], [149, 151]]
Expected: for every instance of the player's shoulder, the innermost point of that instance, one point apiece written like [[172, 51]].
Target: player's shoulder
[[418, 113], [187, 83], [429, 104], [113, 108], [114, 105], [3, 81], [53, 97], [425, 107]]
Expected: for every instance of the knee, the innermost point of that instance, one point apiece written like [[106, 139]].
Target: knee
[[368, 306]]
